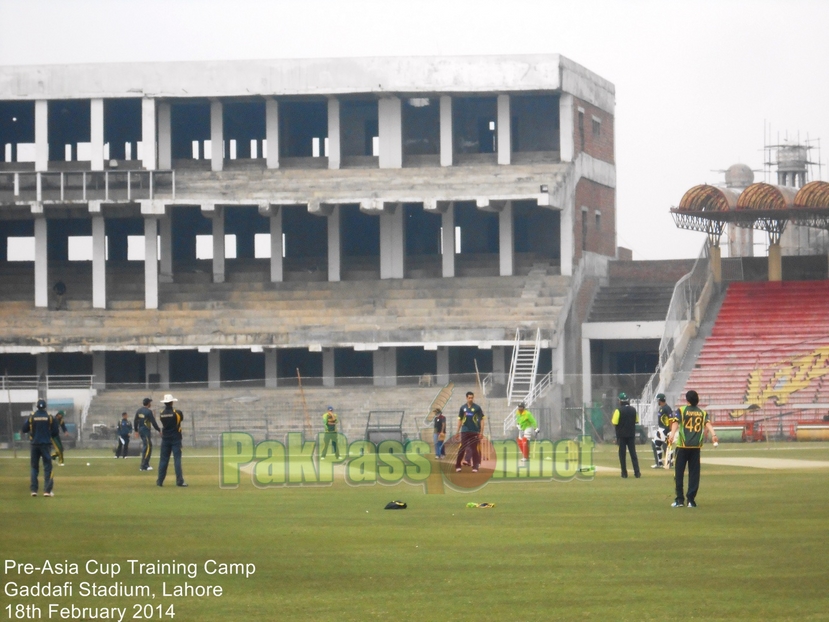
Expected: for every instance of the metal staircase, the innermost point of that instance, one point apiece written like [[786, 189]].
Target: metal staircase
[[523, 367], [522, 386]]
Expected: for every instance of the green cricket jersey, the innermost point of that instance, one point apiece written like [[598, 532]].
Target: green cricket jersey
[[692, 420], [525, 419]]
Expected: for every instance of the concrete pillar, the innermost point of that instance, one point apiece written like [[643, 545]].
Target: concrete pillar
[[446, 149], [558, 364], [716, 264], [42, 364], [334, 257], [276, 245], [99, 370], [96, 133], [158, 363], [328, 367], [586, 376], [334, 133], [506, 240], [218, 221], [217, 136], [41, 264], [392, 242], [447, 220], [503, 128], [385, 367], [214, 369], [775, 262], [390, 125], [740, 241], [148, 147], [151, 262], [165, 227], [567, 125], [270, 368], [99, 275], [272, 132], [165, 136], [443, 365], [499, 364], [41, 135], [567, 240]]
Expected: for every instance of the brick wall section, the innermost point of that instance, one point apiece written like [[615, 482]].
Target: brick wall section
[[600, 147], [595, 197], [648, 272]]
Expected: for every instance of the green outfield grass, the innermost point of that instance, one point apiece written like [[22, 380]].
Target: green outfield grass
[[756, 548]]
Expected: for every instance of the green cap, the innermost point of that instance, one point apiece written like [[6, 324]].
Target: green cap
[[660, 396], [623, 396]]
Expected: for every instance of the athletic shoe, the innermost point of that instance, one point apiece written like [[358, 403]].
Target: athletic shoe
[[692, 504], [159, 484], [677, 504], [656, 466], [116, 457], [474, 470], [457, 469], [638, 475], [62, 464], [34, 494], [322, 457], [182, 485], [48, 494], [149, 469]]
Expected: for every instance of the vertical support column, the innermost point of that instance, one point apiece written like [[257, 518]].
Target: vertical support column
[[503, 127], [41, 135], [385, 367], [148, 147], [151, 262], [165, 136], [217, 136], [586, 375], [448, 224], [715, 261], [443, 365], [42, 364], [567, 128], [446, 148], [214, 369], [96, 133], [333, 133], [276, 245], [775, 262], [390, 126], [506, 240], [328, 367], [166, 235], [392, 241], [218, 221], [272, 132], [499, 365], [270, 368], [99, 275], [41, 264], [158, 363], [334, 257], [567, 241], [99, 370]]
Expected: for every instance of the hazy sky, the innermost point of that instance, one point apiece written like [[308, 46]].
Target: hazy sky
[[697, 82]]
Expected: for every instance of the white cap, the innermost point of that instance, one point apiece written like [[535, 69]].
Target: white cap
[[168, 398]]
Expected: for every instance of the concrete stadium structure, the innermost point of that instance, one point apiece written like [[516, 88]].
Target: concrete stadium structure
[[365, 218]]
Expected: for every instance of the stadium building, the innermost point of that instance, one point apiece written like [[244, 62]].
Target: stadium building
[[368, 221]]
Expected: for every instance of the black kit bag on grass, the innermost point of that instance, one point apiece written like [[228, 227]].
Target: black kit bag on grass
[[395, 505]]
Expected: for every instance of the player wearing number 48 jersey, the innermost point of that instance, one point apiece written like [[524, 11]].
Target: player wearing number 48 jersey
[[688, 427]]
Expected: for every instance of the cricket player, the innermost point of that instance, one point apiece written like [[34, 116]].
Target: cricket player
[[688, 427], [527, 426]]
